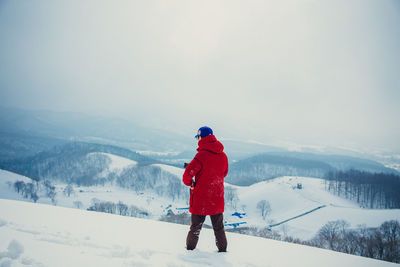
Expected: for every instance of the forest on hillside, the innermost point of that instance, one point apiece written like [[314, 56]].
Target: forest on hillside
[[370, 190]]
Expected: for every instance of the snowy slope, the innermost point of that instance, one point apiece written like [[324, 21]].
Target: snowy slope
[[287, 201], [6, 180], [149, 201], [171, 169], [117, 163], [44, 235]]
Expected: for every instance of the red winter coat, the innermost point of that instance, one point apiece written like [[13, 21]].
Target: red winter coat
[[209, 167]]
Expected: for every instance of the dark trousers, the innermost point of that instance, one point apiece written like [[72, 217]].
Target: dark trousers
[[219, 231]]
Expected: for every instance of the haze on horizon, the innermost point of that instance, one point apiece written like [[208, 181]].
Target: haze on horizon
[[307, 72]]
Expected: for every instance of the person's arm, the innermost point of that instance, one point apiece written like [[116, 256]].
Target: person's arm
[[191, 170]]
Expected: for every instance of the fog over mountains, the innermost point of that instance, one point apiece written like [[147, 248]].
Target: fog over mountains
[[24, 134], [282, 71]]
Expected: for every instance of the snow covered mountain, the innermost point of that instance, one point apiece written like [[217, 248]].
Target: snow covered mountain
[[150, 202], [45, 235]]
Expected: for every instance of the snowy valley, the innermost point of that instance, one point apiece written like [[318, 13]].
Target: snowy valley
[[284, 198], [276, 195]]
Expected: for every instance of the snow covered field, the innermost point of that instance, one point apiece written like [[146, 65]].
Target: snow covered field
[[44, 235]]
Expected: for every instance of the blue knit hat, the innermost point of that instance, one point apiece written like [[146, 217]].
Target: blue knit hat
[[204, 131]]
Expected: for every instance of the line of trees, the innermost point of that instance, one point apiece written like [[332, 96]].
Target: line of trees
[[182, 218], [382, 243], [27, 190], [163, 183], [118, 208], [267, 166], [370, 190], [31, 190]]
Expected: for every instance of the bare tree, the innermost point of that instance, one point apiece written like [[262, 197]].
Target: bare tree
[[122, 209], [28, 190], [34, 197], [68, 190], [264, 207], [19, 186], [50, 191], [391, 239], [332, 233], [134, 211], [231, 196]]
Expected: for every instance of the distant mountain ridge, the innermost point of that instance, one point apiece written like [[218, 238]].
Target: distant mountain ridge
[[89, 128], [90, 164], [31, 139], [18, 144], [65, 157], [275, 164]]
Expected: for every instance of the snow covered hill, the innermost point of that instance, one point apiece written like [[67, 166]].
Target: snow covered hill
[[288, 201], [44, 235], [117, 163], [84, 196]]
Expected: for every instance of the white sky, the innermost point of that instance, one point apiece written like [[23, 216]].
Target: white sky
[[304, 71]]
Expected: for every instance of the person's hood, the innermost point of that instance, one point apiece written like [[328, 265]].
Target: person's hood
[[210, 143]]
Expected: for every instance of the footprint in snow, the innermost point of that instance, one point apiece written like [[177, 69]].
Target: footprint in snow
[[14, 250]]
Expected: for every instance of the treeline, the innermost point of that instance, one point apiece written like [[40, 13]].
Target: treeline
[[181, 218], [30, 190], [275, 164], [75, 162], [382, 243], [118, 208], [151, 177], [370, 190], [27, 190], [265, 166], [76, 168]]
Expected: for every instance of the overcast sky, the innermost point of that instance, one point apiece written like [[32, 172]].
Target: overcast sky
[[308, 72]]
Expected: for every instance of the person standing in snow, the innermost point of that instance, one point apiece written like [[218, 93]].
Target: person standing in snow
[[205, 176]]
